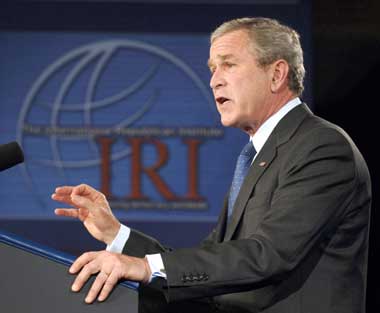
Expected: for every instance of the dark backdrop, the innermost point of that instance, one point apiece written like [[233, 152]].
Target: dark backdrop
[[346, 88]]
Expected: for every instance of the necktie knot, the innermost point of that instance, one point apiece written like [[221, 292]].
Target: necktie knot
[[242, 165]]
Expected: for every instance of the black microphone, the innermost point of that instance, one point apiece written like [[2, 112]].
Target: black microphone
[[10, 155]]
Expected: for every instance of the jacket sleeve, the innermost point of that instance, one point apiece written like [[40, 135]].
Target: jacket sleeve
[[140, 244]]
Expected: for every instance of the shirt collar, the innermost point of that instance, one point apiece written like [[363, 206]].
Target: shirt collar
[[262, 134]]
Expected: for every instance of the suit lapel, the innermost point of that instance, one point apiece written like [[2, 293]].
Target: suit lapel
[[281, 134], [222, 221]]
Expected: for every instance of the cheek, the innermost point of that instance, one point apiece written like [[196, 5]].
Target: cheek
[[256, 89], [246, 96]]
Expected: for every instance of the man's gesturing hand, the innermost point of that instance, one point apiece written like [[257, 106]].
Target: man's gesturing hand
[[111, 268], [91, 207]]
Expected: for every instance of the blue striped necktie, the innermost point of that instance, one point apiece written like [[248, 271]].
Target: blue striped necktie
[[242, 165]]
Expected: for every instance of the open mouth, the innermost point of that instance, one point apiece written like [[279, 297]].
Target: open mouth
[[221, 100]]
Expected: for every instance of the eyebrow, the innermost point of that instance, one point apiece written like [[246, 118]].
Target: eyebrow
[[221, 57]]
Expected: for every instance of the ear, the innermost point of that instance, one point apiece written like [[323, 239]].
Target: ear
[[280, 70]]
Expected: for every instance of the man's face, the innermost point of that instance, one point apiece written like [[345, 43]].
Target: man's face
[[241, 88]]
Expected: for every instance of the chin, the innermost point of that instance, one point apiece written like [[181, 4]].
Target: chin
[[228, 122]]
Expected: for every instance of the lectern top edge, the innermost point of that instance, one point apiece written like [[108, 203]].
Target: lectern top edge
[[35, 248], [44, 251]]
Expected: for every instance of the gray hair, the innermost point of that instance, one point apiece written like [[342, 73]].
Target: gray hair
[[271, 41]]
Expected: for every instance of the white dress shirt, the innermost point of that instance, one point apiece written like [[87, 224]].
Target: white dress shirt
[[258, 140]]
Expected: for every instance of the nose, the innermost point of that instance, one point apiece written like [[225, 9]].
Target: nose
[[217, 80]]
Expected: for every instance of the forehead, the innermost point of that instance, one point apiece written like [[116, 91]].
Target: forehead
[[229, 45]]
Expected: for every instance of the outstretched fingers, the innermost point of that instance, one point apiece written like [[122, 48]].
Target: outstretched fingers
[[83, 202], [103, 284], [64, 189], [102, 262], [100, 280], [110, 283], [63, 194], [82, 261], [86, 191], [74, 213], [86, 265]]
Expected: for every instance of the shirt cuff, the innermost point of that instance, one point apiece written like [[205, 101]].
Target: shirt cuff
[[156, 266], [121, 238]]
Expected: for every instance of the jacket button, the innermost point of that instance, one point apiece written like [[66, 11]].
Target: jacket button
[[185, 278]]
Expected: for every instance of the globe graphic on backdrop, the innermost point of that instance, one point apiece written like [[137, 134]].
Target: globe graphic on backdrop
[[96, 90]]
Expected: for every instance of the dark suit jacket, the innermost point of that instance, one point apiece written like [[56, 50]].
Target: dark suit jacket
[[297, 240]]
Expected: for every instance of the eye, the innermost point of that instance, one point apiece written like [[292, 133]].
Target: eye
[[228, 65]]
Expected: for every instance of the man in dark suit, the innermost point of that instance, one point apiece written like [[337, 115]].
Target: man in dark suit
[[293, 233]]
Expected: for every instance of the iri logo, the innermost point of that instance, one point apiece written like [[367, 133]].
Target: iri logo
[[128, 118]]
